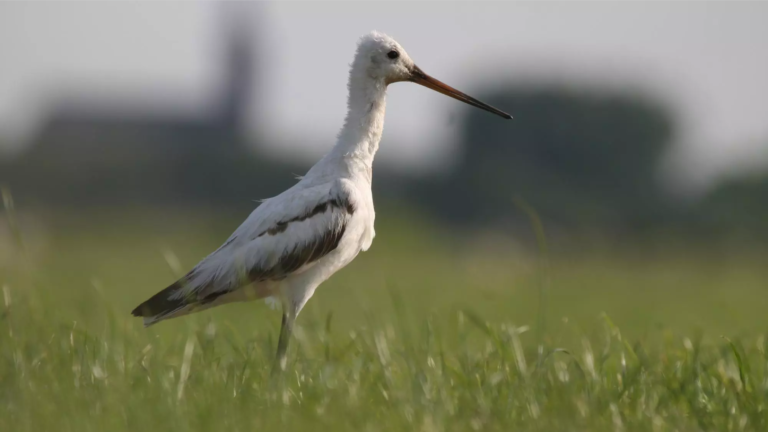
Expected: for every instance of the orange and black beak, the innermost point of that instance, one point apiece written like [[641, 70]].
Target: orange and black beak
[[419, 77]]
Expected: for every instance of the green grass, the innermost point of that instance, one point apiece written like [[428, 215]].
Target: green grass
[[423, 332]]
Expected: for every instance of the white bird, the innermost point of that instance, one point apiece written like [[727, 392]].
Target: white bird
[[293, 242]]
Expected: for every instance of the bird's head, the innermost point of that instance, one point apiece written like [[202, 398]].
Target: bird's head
[[381, 59]]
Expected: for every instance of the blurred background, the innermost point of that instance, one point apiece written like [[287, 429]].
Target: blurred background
[[134, 137]]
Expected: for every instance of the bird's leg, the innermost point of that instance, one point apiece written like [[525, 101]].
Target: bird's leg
[[286, 328]]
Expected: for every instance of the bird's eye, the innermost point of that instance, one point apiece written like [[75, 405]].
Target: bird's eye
[[393, 54]]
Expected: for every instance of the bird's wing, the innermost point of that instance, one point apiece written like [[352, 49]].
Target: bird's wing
[[284, 235]]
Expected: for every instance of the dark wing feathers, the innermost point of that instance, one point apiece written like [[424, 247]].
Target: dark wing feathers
[[169, 300], [288, 263], [301, 255]]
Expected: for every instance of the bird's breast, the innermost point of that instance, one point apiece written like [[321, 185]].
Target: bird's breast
[[368, 226]]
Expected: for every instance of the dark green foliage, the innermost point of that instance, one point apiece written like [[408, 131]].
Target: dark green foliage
[[587, 162], [114, 167], [580, 159], [737, 208]]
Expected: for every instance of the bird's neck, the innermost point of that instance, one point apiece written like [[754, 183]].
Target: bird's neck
[[359, 139]]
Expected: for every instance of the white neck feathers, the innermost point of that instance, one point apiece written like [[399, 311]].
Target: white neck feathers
[[363, 126], [359, 138]]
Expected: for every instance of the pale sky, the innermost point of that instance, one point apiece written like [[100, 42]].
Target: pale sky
[[707, 61]]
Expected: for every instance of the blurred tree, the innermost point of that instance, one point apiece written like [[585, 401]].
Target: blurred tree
[[579, 159], [737, 208]]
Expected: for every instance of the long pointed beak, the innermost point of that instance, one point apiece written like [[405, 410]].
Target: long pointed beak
[[419, 77]]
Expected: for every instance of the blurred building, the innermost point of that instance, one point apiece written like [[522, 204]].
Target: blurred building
[[96, 153]]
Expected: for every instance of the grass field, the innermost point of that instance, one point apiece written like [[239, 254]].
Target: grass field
[[423, 332]]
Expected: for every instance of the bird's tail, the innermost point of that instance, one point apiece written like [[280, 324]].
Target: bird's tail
[[168, 303]]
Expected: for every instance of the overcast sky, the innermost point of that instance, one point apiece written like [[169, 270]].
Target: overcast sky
[[708, 61]]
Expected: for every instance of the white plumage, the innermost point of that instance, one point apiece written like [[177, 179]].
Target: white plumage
[[293, 242]]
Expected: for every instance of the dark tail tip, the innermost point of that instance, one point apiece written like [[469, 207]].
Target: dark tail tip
[[160, 303]]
